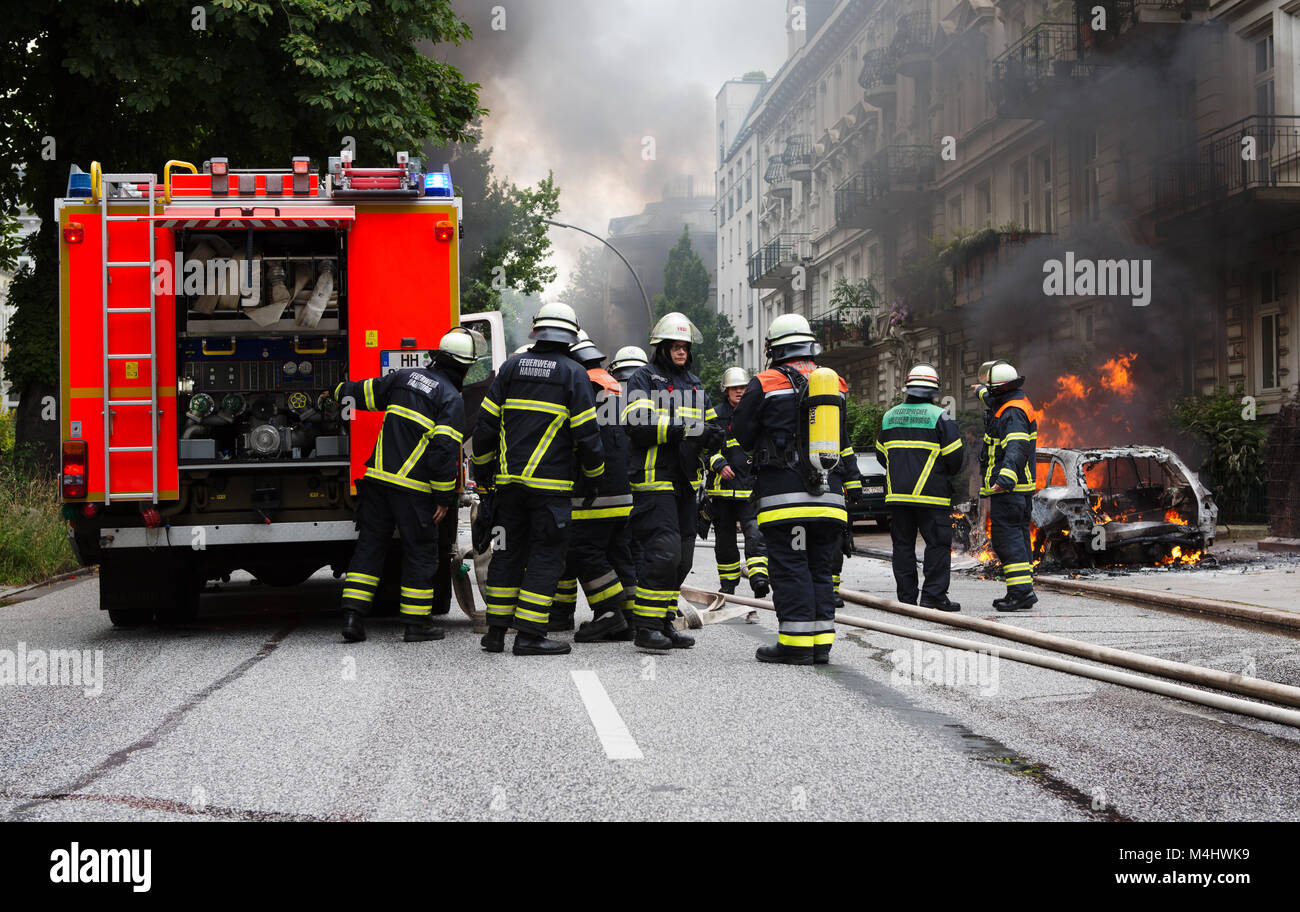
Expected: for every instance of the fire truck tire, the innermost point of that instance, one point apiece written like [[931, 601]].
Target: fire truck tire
[[125, 592], [182, 604], [129, 617]]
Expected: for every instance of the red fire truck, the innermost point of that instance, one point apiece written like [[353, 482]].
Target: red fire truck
[[204, 321]]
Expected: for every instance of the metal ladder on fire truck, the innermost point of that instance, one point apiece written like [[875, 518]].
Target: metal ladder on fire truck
[[106, 182]]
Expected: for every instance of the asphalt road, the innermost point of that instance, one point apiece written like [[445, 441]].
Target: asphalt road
[[260, 711]]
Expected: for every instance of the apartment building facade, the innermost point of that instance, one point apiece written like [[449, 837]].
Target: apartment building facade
[[948, 152]]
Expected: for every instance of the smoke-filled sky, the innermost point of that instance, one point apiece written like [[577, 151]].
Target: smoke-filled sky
[[574, 85]]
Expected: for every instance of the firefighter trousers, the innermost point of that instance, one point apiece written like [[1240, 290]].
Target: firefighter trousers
[[1009, 522], [599, 559], [802, 557], [935, 526], [727, 514], [381, 508], [664, 524], [531, 532]]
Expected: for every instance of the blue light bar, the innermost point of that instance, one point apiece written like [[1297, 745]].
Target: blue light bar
[[438, 183]]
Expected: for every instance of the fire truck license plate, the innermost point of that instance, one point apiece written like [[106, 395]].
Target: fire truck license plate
[[391, 361], [874, 489]]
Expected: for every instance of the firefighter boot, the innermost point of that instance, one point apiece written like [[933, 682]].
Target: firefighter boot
[[530, 644], [494, 640], [354, 629], [785, 655], [760, 586], [628, 633], [727, 586], [601, 628], [679, 639], [822, 654], [944, 604], [422, 632], [651, 640], [1022, 602]]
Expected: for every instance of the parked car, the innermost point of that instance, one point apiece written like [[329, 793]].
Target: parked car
[[873, 506]]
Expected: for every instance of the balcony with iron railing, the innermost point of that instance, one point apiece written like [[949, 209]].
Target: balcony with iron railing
[[1132, 23], [1252, 164], [1029, 76], [879, 77], [901, 175], [852, 204], [914, 44], [778, 178], [976, 259], [776, 261], [799, 157], [843, 333]]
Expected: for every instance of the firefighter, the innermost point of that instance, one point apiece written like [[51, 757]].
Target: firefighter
[[801, 509], [599, 556], [731, 482], [671, 423], [410, 482], [921, 449], [1007, 473], [627, 360], [537, 415]]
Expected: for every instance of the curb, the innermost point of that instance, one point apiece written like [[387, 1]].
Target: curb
[[1271, 616], [6, 594]]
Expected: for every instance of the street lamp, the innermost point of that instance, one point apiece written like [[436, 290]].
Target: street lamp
[[649, 310]]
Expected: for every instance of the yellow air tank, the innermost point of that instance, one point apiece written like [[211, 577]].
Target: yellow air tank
[[824, 419]]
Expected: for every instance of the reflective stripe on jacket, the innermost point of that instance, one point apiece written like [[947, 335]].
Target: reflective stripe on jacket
[[740, 487], [660, 407], [921, 449], [419, 443], [538, 412], [1010, 441], [768, 416]]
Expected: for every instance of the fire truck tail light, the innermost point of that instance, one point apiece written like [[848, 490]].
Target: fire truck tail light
[[300, 164], [74, 469], [220, 166], [445, 231], [75, 233]]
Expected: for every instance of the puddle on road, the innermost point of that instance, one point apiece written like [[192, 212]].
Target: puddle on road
[[981, 748]]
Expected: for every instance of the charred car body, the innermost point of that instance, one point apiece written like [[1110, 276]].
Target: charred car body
[[1125, 504]]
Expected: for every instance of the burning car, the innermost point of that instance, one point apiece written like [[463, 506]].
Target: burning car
[[1122, 504]]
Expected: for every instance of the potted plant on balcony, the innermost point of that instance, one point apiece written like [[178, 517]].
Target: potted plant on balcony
[[852, 306]]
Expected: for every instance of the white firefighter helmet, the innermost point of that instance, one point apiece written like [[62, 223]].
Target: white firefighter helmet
[[790, 336], [734, 376], [1000, 375], [675, 327], [584, 350], [523, 348], [922, 376], [460, 346], [555, 323], [629, 356]]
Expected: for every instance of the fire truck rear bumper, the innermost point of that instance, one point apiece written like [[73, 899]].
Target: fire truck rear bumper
[[202, 537]]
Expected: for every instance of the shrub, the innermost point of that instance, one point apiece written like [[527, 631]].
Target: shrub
[[1234, 462]]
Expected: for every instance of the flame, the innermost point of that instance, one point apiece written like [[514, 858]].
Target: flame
[[1087, 404], [1172, 516], [1177, 557]]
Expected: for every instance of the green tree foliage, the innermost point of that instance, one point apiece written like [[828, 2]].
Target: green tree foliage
[[1235, 460], [133, 83], [586, 290], [863, 418], [506, 243], [686, 290]]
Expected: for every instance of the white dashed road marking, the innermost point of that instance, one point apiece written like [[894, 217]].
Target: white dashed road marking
[[613, 733]]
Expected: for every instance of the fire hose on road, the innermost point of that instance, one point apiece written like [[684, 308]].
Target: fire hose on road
[[1208, 677]]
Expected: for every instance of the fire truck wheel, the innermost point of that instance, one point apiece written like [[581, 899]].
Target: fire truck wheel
[[124, 591], [182, 604]]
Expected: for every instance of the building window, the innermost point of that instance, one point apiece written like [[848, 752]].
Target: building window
[[1264, 75], [954, 215], [1269, 350], [1046, 203], [1021, 203], [1085, 152], [751, 314]]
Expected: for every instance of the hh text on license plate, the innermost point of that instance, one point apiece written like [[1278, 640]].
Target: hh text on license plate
[[390, 361]]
